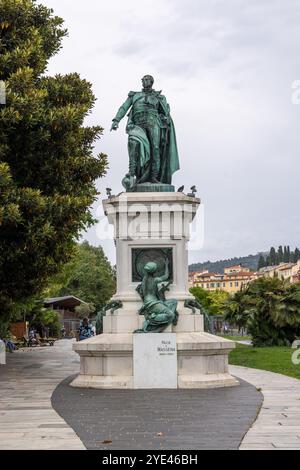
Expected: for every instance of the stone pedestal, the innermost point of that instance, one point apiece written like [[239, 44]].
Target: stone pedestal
[[152, 227], [106, 361]]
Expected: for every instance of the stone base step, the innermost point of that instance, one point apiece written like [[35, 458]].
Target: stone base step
[[106, 361]]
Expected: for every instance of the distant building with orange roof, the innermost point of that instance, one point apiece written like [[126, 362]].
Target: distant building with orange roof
[[237, 277], [232, 280], [236, 269]]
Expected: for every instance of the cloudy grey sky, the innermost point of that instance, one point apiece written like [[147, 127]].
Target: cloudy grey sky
[[226, 68]]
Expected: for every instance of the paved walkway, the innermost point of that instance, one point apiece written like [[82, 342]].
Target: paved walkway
[[278, 423], [28, 421], [159, 419]]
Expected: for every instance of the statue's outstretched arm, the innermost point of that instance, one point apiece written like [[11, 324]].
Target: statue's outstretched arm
[[165, 276], [121, 112]]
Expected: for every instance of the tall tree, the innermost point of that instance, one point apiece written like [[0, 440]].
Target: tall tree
[[284, 254], [47, 167], [272, 256], [89, 276], [280, 254], [261, 262]]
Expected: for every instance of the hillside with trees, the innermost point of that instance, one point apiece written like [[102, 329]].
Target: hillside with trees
[[250, 261], [281, 255], [254, 262]]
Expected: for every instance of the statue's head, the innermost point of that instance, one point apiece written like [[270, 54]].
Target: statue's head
[[150, 267], [147, 81]]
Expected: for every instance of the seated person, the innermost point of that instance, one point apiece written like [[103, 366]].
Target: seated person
[[10, 346], [32, 339], [85, 330]]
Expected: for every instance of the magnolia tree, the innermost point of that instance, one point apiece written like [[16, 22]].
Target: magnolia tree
[[47, 166]]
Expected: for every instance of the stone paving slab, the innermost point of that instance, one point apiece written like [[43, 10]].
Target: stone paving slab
[[159, 419], [27, 419], [278, 423]]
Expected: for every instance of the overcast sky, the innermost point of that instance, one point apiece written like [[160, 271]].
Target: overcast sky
[[227, 69]]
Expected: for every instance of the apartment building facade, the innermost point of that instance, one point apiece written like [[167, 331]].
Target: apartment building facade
[[232, 280]]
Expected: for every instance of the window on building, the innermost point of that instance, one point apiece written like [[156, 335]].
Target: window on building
[[231, 284], [224, 284], [237, 284]]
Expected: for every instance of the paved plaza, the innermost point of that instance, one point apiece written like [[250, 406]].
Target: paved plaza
[[38, 410], [159, 419], [27, 419]]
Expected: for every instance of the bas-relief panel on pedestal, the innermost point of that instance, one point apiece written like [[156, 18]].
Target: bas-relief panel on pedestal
[[141, 256]]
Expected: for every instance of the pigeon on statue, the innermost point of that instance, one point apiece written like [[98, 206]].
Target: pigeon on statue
[[194, 190]]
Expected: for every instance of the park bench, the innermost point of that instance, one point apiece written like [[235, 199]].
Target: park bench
[[26, 342], [45, 341]]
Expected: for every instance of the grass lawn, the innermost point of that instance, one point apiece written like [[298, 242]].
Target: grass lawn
[[275, 359], [236, 338]]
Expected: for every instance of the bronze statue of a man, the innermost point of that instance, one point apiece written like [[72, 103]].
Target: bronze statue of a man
[[152, 148]]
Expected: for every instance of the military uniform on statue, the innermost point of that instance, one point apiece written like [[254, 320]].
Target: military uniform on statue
[[152, 147]]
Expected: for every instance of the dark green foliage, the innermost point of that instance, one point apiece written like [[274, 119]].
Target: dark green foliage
[[261, 262], [249, 261], [270, 310], [40, 317], [89, 276], [296, 256], [280, 254], [212, 301], [201, 295], [47, 168], [272, 256], [283, 255]]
